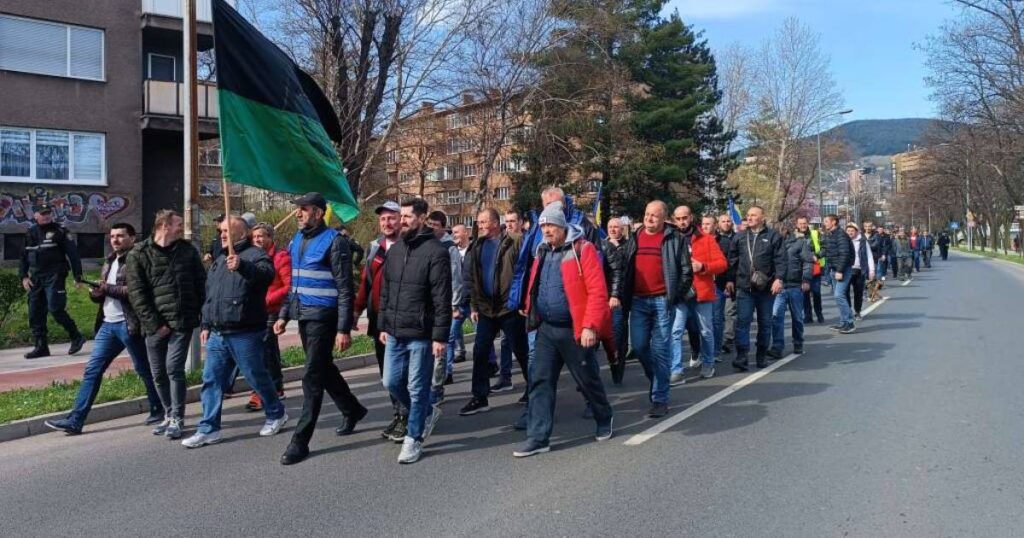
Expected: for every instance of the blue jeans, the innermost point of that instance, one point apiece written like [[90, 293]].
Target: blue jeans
[[456, 340], [223, 353], [791, 299], [917, 260], [812, 300], [747, 303], [650, 330], [110, 341], [703, 313], [620, 331], [839, 288], [408, 367]]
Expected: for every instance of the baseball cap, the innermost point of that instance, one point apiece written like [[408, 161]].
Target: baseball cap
[[388, 206], [311, 198], [44, 208]]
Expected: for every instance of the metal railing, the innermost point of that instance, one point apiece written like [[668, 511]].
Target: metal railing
[[176, 9], [164, 98]]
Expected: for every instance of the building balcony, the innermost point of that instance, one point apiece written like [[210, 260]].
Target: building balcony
[[164, 18], [164, 103]]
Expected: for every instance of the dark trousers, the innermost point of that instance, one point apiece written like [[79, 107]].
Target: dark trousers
[[944, 252], [272, 354], [557, 347], [321, 375], [514, 326], [812, 300], [48, 294], [857, 282], [894, 264], [749, 303]]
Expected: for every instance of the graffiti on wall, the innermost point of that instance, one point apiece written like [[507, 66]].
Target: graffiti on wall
[[68, 207]]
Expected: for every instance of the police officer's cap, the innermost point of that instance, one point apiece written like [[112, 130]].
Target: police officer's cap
[[43, 209], [311, 198]]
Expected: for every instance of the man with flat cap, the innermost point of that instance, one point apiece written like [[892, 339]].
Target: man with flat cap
[[49, 253], [320, 299]]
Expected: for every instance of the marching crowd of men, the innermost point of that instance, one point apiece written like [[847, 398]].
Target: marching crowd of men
[[553, 292]]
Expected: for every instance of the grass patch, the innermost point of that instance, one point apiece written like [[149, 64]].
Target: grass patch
[[60, 395], [1015, 258], [16, 333]]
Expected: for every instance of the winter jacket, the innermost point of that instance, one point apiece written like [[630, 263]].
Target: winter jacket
[[705, 249], [676, 268], [724, 242], [838, 250], [928, 243], [337, 260], [613, 255], [582, 273], [886, 245], [278, 290], [799, 264], [368, 296], [48, 250], [455, 259], [166, 285], [236, 301], [901, 247], [944, 240], [916, 243], [533, 238], [876, 244], [865, 260], [416, 289], [119, 292], [504, 274], [768, 256]]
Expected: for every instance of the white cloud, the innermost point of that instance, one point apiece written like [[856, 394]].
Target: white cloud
[[722, 9]]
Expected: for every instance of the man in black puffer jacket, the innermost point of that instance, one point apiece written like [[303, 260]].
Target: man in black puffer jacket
[[166, 287], [839, 253], [756, 263], [234, 324], [797, 273], [415, 318]]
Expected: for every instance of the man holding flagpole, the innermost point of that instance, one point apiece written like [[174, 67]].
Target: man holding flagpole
[[320, 299]]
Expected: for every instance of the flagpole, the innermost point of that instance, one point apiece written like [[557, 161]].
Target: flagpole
[[285, 219], [227, 214], [191, 149]]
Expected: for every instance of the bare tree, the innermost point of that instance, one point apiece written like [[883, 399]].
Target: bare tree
[[734, 73], [794, 95]]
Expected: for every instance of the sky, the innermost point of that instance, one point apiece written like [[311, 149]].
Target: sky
[[871, 43]]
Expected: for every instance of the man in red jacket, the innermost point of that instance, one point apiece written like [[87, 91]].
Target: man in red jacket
[[567, 303], [263, 237]]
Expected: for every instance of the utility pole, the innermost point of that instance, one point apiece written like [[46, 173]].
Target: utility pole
[[191, 149]]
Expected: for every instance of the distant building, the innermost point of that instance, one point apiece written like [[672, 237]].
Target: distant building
[[905, 165]]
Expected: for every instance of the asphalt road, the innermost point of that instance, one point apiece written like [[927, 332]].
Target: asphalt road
[[913, 426]]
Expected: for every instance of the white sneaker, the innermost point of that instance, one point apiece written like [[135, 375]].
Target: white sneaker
[[435, 415], [694, 363], [202, 439], [271, 427], [161, 428], [411, 451], [175, 429], [883, 279]]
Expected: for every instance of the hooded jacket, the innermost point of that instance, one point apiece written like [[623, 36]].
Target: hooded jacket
[[504, 275], [676, 268], [799, 265], [416, 289], [583, 280], [705, 249]]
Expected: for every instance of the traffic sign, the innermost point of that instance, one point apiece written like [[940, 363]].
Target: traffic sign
[[954, 225]]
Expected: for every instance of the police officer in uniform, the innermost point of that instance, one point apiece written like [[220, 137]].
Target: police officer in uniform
[[43, 271]]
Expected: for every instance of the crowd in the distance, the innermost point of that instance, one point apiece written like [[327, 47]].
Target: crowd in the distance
[[553, 287]]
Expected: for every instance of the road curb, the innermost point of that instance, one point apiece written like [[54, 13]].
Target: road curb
[[28, 427]]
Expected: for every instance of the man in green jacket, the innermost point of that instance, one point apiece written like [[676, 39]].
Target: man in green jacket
[[166, 288]]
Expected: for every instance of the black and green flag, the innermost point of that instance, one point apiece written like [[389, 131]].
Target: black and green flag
[[276, 126]]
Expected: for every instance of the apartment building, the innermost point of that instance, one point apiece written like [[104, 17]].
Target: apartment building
[[439, 154], [91, 113]]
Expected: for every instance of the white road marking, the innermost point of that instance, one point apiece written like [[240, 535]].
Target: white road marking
[[668, 423], [908, 281]]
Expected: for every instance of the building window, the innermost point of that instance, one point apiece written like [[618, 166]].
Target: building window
[[209, 156], [404, 177], [509, 165], [31, 155], [437, 174], [451, 197], [162, 67], [456, 120], [391, 157], [458, 145], [469, 170], [47, 48], [501, 193], [469, 196]]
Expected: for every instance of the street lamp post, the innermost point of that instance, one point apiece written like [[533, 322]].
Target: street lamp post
[[821, 192]]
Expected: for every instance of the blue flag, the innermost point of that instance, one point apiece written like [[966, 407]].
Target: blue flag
[[734, 213]]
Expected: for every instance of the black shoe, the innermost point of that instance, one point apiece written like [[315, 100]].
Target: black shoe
[[741, 364], [294, 454], [821, 319], [524, 399], [495, 370], [77, 342], [155, 417], [726, 349], [41, 350], [398, 434], [849, 329], [762, 361], [808, 320], [657, 410], [475, 406], [837, 327], [386, 433], [618, 371], [64, 425], [774, 354], [348, 423], [460, 357], [798, 350], [449, 380]]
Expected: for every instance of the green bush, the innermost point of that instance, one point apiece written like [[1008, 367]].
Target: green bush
[[11, 296]]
